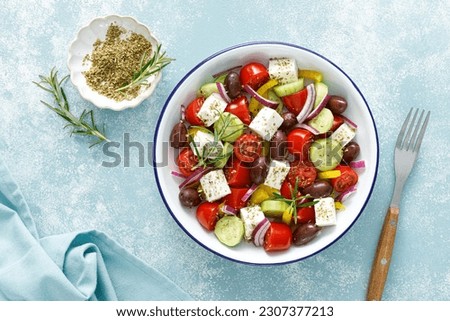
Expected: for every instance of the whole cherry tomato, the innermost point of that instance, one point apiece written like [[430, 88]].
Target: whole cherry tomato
[[207, 214], [254, 74], [239, 107], [298, 142], [278, 237], [191, 111], [248, 147], [186, 161], [347, 179]]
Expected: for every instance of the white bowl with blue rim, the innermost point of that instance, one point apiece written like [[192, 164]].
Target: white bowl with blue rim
[[338, 82]]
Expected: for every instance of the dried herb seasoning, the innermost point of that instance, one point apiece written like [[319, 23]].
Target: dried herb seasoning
[[114, 61]]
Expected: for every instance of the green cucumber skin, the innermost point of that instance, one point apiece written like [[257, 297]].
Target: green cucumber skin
[[325, 154], [273, 208], [323, 121], [289, 89], [227, 149], [229, 230], [207, 89]]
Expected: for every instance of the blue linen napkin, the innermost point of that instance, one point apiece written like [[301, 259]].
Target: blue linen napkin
[[84, 265]]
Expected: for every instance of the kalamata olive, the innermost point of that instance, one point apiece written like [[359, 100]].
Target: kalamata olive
[[278, 145], [189, 197], [233, 84], [258, 170], [337, 104], [289, 121], [304, 233], [351, 151], [178, 136], [320, 188]]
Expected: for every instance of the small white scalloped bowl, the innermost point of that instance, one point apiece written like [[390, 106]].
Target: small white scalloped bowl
[[84, 45], [338, 82]]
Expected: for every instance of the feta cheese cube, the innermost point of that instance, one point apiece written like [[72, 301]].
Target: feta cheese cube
[[211, 109], [266, 123], [325, 211], [285, 70], [251, 216], [202, 139], [278, 171], [344, 134], [215, 185]]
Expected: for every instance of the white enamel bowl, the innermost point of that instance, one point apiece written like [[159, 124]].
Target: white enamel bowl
[[339, 83], [84, 44]]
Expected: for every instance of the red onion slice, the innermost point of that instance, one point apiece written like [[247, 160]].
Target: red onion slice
[[358, 164], [249, 193], [220, 73], [260, 231], [223, 92], [319, 108], [345, 194], [309, 103], [177, 174], [261, 99], [308, 128], [230, 210], [194, 177], [183, 113], [349, 122]]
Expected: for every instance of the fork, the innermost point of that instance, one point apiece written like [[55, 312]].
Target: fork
[[405, 155]]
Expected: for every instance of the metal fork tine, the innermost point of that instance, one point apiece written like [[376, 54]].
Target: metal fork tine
[[421, 134], [410, 145], [409, 132], [402, 131]]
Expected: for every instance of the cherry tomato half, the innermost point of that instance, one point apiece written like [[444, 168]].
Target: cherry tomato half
[[298, 142], [278, 237], [306, 215], [248, 147], [237, 174], [337, 121], [235, 198], [301, 173], [295, 102], [347, 179], [239, 107], [186, 161], [191, 111], [287, 189], [254, 74], [207, 214]]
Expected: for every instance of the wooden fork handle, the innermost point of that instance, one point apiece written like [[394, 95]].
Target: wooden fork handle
[[380, 266]]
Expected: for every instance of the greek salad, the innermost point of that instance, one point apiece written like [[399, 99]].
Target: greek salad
[[266, 155]]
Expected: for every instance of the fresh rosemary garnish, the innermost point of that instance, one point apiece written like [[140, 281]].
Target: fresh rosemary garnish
[[213, 151], [293, 201], [147, 67], [85, 124]]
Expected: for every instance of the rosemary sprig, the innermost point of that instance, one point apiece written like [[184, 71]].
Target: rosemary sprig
[[292, 202], [85, 124], [147, 67]]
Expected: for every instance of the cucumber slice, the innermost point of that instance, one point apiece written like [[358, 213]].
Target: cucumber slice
[[221, 78], [226, 153], [272, 96], [207, 89], [274, 208], [325, 154], [321, 92], [228, 127], [323, 121], [288, 89], [229, 230]]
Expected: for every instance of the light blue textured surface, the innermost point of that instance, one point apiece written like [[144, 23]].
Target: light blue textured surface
[[397, 52]]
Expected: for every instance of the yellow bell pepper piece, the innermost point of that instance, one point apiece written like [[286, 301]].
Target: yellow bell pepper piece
[[254, 105], [287, 215], [329, 174], [261, 194], [339, 206], [311, 74]]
